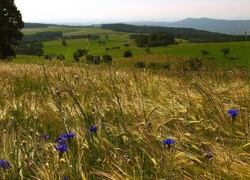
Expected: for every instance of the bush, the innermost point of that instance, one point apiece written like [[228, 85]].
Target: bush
[[127, 53], [80, 53], [140, 64], [166, 66], [157, 66], [152, 65], [60, 57], [91, 59], [194, 64], [50, 56], [107, 59]]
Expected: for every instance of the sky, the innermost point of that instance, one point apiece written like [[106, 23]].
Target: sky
[[108, 11]]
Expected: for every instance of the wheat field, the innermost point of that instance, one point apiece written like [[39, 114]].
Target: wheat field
[[69, 122]]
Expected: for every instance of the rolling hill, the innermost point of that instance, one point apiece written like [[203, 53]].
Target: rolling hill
[[234, 27]]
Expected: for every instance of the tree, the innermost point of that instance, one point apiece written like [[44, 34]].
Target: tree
[[10, 29], [101, 43], [79, 53], [225, 51], [204, 53], [127, 53], [126, 45], [148, 50], [64, 43]]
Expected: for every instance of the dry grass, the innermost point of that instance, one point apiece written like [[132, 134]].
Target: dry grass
[[134, 111]]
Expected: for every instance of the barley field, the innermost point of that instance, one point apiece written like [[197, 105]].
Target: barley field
[[86, 122]]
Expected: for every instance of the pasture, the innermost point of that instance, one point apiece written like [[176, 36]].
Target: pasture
[[239, 51], [60, 119]]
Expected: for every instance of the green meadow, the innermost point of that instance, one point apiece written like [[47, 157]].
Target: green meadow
[[72, 120], [239, 51]]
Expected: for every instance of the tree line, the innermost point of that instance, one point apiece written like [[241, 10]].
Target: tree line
[[30, 49], [32, 44], [35, 25], [152, 40], [193, 35], [42, 36], [83, 36]]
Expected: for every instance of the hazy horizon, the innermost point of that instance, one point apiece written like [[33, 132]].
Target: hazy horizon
[[114, 11]]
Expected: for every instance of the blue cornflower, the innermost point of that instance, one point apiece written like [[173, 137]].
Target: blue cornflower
[[93, 129], [208, 155], [44, 136], [61, 147], [168, 141], [64, 137], [57, 90], [65, 178], [59, 140], [5, 164], [67, 135], [233, 112]]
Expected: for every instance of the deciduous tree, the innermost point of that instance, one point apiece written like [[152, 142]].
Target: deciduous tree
[[127, 53], [10, 28], [204, 53], [225, 51]]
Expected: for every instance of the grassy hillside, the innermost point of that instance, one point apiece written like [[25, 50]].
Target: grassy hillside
[[239, 51], [63, 119]]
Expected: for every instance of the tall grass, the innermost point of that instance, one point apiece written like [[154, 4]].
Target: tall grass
[[134, 111]]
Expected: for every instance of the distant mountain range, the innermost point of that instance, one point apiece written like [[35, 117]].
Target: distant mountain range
[[234, 27]]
